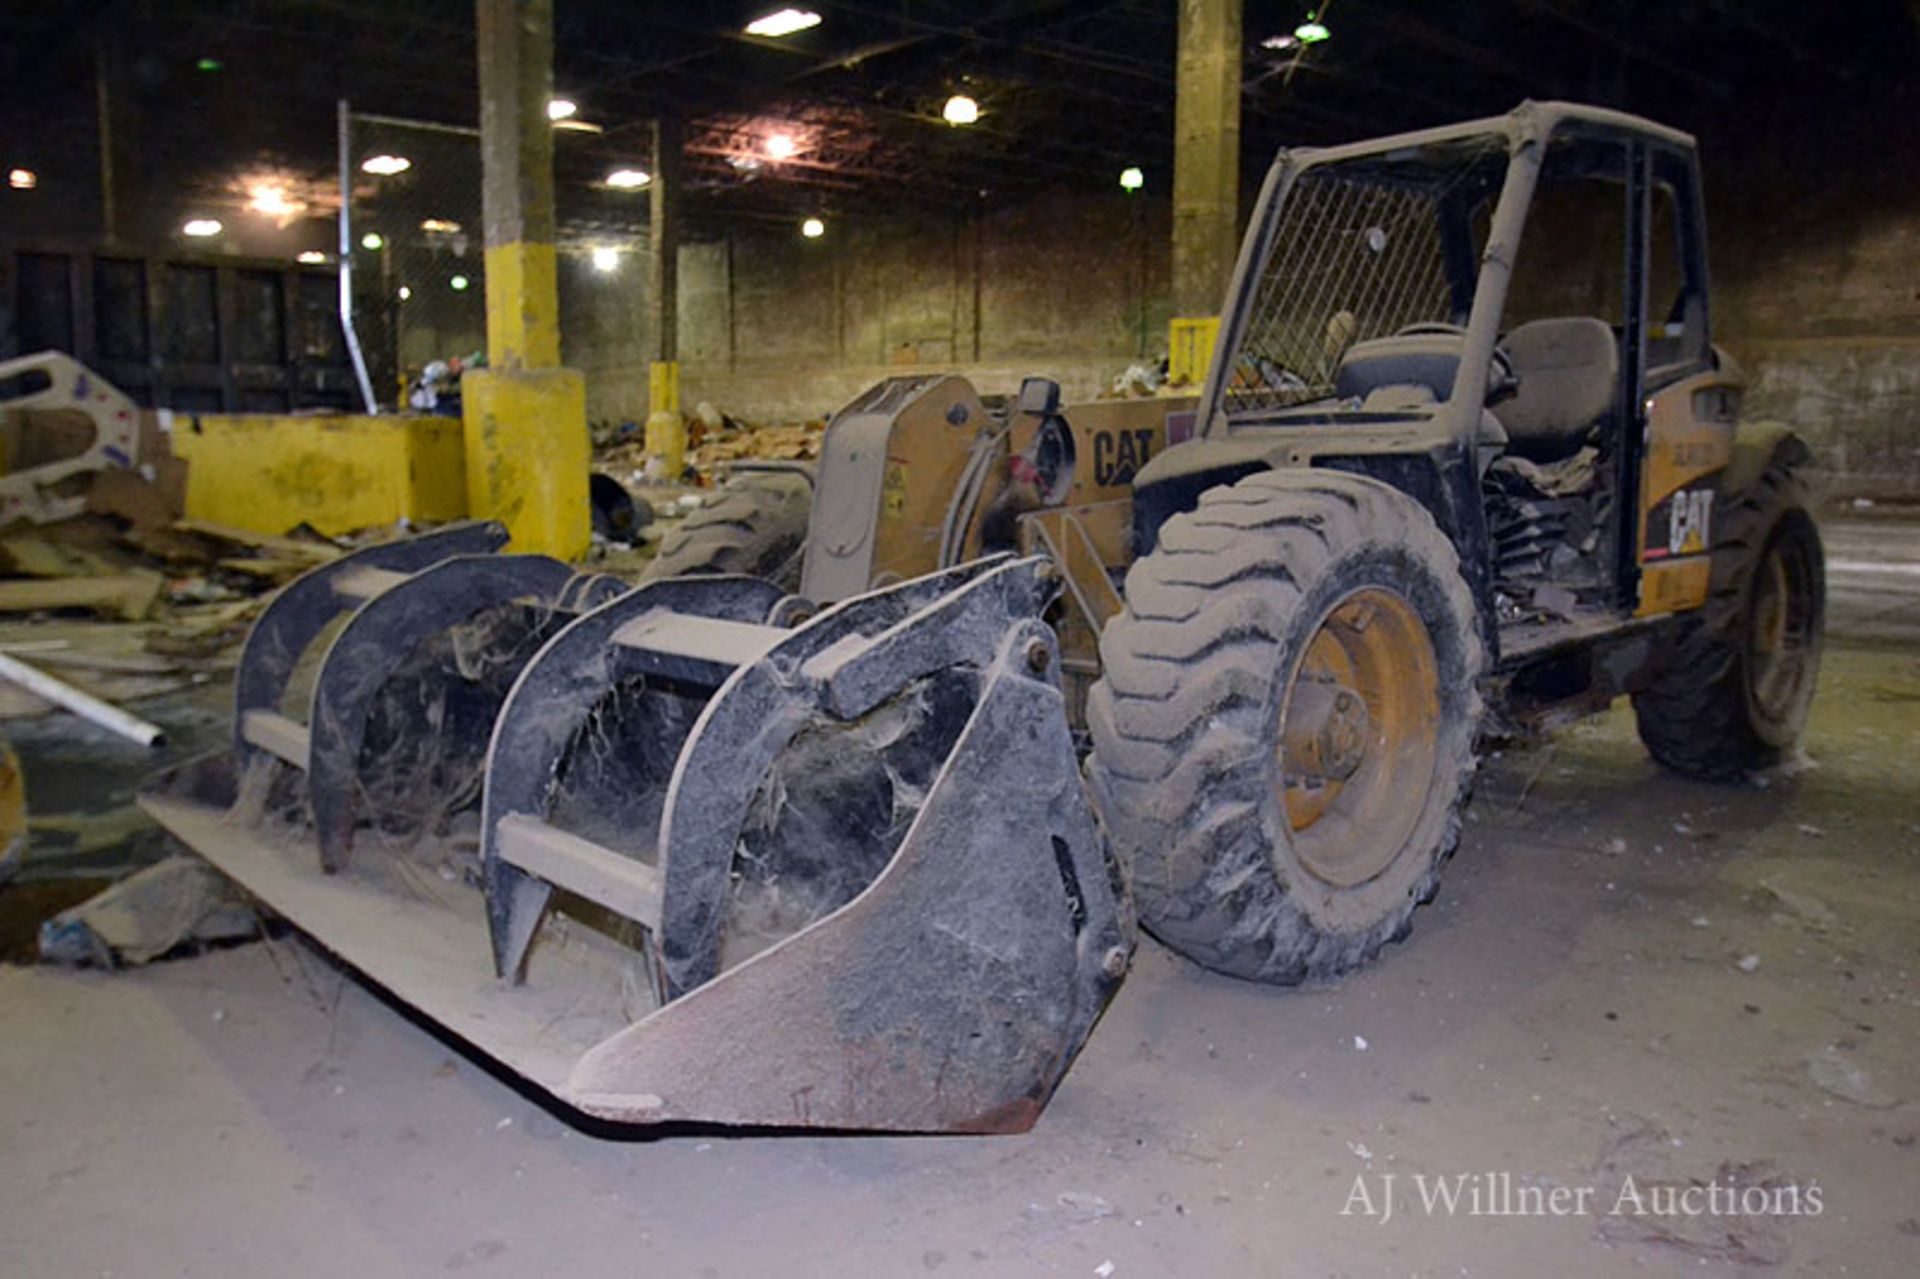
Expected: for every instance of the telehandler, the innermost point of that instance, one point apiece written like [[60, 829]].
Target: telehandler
[[843, 816]]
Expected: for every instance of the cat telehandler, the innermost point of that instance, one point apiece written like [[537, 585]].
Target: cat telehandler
[[843, 815]]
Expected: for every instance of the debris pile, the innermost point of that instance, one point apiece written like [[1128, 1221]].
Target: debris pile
[[646, 481], [714, 441]]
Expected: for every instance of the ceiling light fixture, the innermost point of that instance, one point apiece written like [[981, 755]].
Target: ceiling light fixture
[[960, 109], [440, 226], [606, 258], [783, 22], [311, 257], [628, 179], [201, 228], [813, 228], [781, 145], [271, 200], [459, 283], [373, 241], [22, 179], [1132, 179], [1312, 31], [385, 166], [561, 108], [405, 293]]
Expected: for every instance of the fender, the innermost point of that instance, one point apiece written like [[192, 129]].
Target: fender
[[1755, 444]]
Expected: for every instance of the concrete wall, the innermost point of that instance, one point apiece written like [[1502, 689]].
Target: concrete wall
[[1818, 296], [775, 327], [1816, 273]]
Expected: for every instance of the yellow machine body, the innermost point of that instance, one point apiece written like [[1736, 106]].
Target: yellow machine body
[[1690, 427]]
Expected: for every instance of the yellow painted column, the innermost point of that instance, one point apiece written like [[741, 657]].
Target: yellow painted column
[[527, 447], [1206, 176]]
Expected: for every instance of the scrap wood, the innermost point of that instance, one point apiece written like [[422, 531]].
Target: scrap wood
[[126, 595], [316, 552], [201, 633], [43, 655], [775, 443], [176, 547], [28, 554], [141, 502], [270, 571]]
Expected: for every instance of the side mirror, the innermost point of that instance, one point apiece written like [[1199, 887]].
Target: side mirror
[[1039, 396]]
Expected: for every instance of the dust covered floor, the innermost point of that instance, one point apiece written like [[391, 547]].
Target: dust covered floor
[[1624, 975]]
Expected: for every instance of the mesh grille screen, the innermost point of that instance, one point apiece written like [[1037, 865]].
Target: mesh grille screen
[[1357, 256]]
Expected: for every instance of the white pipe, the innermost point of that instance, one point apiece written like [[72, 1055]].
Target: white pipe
[[354, 354], [85, 705]]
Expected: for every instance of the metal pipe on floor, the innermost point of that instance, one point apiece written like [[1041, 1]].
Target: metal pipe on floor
[[85, 705]]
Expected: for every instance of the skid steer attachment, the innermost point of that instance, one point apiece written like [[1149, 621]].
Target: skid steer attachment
[[733, 864]]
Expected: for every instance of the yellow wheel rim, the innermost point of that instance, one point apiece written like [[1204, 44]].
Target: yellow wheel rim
[[1358, 736], [1780, 636]]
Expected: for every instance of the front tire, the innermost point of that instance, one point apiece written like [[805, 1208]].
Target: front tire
[[1283, 732]]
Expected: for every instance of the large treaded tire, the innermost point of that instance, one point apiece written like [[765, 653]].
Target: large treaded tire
[[1185, 719], [755, 525], [1700, 717]]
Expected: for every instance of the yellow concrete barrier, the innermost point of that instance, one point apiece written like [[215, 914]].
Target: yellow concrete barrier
[[271, 472], [1190, 342]]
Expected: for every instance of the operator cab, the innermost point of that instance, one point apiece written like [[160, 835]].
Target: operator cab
[[1367, 306]]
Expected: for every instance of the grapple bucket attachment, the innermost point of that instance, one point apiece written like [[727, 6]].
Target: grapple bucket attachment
[[733, 863]]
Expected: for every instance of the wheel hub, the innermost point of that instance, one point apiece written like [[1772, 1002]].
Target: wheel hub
[[1327, 731], [1358, 736]]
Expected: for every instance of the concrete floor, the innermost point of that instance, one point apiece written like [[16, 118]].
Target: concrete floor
[[1624, 975]]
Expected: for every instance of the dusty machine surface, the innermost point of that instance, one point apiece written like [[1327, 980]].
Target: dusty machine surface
[[1468, 463], [672, 852], [794, 832]]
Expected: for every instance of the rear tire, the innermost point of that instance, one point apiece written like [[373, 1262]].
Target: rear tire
[[1735, 697], [1283, 733], [755, 525]]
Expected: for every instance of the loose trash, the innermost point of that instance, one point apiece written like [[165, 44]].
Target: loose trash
[[146, 915]]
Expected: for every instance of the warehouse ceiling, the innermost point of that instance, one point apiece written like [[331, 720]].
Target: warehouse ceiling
[[1069, 92]]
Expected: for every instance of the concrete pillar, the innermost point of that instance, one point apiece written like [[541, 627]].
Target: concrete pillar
[[527, 447], [1206, 156], [663, 258]]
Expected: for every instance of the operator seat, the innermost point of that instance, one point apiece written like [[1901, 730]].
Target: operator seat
[[1568, 369]]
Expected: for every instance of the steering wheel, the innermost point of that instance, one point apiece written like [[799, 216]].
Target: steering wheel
[[1503, 383], [1503, 380]]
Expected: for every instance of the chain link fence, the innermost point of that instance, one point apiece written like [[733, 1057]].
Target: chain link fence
[[419, 281], [418, 262]]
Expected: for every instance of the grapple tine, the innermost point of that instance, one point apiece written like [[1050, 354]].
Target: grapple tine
[[296, 616], [363, 656], [899, 633], [546, 711], [873, 893], [953, 991]]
